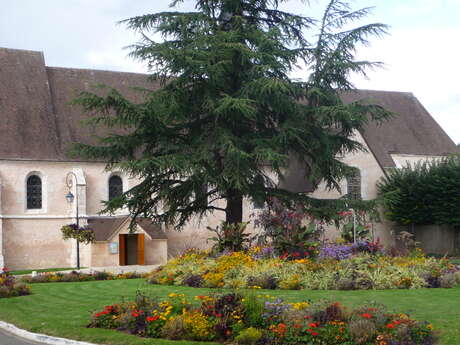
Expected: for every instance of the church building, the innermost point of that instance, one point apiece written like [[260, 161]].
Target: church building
[[38, 126]]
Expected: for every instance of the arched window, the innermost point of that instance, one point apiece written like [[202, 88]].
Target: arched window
[[115, 186], [34, 192], [354, 185]]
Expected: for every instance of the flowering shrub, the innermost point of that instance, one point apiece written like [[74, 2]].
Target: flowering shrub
[[254, 319], [284, 229], [230, 237], [339, 267], [74, 276], [9, 287], [344, 251]]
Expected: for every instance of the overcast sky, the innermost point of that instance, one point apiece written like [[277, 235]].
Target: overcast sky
[[422, 52]]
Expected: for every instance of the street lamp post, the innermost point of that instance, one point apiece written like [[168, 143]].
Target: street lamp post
[[70, 198]]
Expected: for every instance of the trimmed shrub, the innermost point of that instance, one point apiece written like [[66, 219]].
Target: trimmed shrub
[[424, 193]]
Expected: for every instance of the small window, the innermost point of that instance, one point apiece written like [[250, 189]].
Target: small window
[[115, 187], [34, 192], [354, 185]]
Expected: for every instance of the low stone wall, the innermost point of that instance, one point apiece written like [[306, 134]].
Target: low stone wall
[[436, 239]]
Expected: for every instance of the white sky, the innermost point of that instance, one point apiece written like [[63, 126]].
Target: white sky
[[422, 53]]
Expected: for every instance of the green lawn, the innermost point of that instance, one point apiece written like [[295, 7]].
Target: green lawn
[[63, 309]]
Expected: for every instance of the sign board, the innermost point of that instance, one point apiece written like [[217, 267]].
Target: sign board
[[113, 248]]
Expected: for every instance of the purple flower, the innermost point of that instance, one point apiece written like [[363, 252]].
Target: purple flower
[[336, 251]]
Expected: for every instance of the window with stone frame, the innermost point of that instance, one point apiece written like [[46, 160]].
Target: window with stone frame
[[115, 186], [354, 185], [34, 192]]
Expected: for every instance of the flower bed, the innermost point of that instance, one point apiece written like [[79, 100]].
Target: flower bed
[[74, 276], [9, 287], [342, 270], [255, 319]]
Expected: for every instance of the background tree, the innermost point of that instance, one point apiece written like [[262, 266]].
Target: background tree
[[228, 119]]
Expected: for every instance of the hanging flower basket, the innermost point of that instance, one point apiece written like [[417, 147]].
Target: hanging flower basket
[[81, 234]]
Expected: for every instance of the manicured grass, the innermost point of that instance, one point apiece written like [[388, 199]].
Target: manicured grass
[[43, 270], [63, 309]]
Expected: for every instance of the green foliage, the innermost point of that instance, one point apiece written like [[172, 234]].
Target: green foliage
[[227, 115], [230, 237], [253, 310], [248, 336], [425, 193]]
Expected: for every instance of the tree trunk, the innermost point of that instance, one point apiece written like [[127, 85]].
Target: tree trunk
[[234, 210]]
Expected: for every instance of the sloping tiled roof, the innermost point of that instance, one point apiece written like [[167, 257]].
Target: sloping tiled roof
[[105, 228], [38, 122], [411, 131]]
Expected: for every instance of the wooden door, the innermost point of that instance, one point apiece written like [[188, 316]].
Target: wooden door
[[141, 249], [122, 249]]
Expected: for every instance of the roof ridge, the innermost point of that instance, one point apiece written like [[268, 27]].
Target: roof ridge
[[95, 70]]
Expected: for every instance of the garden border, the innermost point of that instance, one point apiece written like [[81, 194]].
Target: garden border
[[37, 337]]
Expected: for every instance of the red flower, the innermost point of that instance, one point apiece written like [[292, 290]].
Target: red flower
[[312, 332], [152, 318], [367, 316], [312, 325], [390, 326], [135, 313]]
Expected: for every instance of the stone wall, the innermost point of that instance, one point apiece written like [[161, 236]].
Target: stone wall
[[32, 238], [433, 239], [438, 239]]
